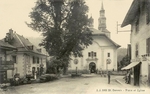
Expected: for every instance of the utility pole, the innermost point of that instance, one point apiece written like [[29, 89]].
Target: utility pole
[[123, 30]]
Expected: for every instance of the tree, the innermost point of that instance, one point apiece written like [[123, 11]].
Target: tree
[[64, 25], [124, 62]]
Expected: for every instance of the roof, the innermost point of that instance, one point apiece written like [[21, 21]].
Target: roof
[[95, 31], [134, 11], [22, 44], [25, 41], [100, 33], [27, 44], [5, 45], [131, 65]]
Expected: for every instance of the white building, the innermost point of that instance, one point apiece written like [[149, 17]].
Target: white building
[[138, 17], [102, 54], [27, 59]]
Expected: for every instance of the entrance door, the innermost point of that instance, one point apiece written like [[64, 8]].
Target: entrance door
[[92, 67], [137, 69]]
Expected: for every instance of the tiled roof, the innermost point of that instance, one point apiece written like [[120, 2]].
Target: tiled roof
[[25, 41], [24, 44], [6, 45], [134, 11]]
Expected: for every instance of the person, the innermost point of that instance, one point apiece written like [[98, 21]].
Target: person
[[108, 77], [128, 77]]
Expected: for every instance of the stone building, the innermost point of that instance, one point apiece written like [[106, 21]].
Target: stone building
[[27, 58], [138, 17]]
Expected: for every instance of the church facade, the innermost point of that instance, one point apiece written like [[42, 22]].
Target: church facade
[[102, 54]]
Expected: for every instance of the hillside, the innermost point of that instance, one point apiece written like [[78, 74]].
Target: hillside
[[122, 52]]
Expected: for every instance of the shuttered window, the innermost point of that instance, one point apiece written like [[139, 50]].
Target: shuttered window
[[147, 11], [148, 45], [136, 50]]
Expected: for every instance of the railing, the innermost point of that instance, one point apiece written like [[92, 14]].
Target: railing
[[7, 62], [6, 65]]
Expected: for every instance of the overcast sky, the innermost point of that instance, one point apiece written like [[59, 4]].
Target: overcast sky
[[14, 14]]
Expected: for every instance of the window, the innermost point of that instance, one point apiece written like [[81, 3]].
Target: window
[[137, 24], [41, 60], [148, 45], [14, 59], [0, 59], [89, 54], [92, 54], [147, 17], [33, 59], [108, 54], [38, 60], [136, 50]]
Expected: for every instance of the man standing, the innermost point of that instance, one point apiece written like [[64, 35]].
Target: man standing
[[108, 77]]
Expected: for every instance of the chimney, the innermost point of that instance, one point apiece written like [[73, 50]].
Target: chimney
[[11, 33]]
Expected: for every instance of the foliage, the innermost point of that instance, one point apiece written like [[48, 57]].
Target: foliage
[[64, 26], [124, 62]]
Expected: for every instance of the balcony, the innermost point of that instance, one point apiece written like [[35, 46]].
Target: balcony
[[7, 62], [145, 57], [6, 65]]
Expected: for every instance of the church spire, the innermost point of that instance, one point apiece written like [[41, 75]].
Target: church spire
[[102, 8], [102, 19]]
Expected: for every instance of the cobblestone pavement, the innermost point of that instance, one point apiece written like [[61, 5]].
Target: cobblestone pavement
[[81, 85]]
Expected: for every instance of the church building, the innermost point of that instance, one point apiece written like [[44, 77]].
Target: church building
[[102, 54]]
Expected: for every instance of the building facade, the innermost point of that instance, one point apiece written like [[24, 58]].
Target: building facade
[[27, 59], [102, 54], [6, 65], [138, 17]]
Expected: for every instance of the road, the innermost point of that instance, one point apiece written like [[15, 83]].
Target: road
[[81, 85]]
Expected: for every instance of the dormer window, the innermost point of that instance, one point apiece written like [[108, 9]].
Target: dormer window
[[30, 47], [136, 50]]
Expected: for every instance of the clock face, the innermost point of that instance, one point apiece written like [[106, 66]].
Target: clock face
[[75, 61]]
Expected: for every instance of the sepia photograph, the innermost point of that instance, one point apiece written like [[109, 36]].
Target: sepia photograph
[[74, 46]]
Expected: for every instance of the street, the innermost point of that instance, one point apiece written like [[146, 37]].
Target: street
[[81, 85]]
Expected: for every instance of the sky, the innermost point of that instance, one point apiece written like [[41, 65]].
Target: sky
[[14, 14]]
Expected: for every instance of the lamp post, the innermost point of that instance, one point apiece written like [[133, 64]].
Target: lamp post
[[76, 62], [108, 61]]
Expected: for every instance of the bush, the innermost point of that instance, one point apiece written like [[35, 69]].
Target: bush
[[48, 77], [85, 71], [76, 75]]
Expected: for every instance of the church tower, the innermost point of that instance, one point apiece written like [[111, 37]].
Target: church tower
[[102, 19], [91, 21]]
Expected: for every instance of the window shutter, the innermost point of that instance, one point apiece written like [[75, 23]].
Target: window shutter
[[148, 45], [148, 11]]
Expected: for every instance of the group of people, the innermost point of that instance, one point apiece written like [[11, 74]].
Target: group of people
[[128, 77]]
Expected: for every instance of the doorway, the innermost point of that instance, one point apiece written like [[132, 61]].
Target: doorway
[[137, 69], [92, 67]]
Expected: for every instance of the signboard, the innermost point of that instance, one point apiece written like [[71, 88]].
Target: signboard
[[75, 61], [6, 67], [108, 61]]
